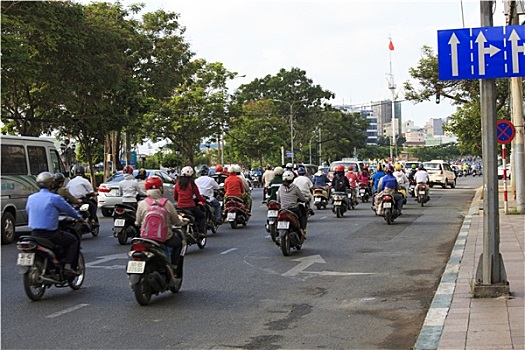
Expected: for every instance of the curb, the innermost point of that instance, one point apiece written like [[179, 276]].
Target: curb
[[430, 334]]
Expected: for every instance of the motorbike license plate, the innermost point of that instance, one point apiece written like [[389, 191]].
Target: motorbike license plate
[[25, 259], [120, 222], [136, 266], [283, 225], [337, 203], [362, 191], [272, 213], [317, 199], [387, 205], [230, 216], [349, 195]]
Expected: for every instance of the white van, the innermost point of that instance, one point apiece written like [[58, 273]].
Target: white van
[[23, 158]]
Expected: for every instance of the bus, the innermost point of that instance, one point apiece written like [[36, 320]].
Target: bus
[[23, 158]]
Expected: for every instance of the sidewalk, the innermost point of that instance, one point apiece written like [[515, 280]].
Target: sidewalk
[[455, 320]]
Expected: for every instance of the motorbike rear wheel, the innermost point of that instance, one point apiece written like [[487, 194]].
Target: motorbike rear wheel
[[142, 290], [273, 232], [318, 206], [76, 282], [285, 244], [95, 231], [388, 217], [338, 212], [176, 287], [122, 237], [233, 224], [201, 243], [34, 289]]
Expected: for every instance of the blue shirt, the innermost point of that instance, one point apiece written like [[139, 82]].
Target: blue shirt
[[43, 208], [389, 181], [320, 180], [378, 175]]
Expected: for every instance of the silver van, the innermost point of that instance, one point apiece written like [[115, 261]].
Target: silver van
[[23, 158]]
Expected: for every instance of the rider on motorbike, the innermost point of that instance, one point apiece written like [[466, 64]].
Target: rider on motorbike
[[421, 178], [219, 175], [390, 186], [305, 185], [340, 182], [289, 195], [58, 188], [352, 180], [184, 192], [320, 178], [267, 177], [80, 187], [401, 178], [129, 187], [377, 176], [154, 190], [234, 186], [43, 209], [208, 187], [364, 177], [275, 183]]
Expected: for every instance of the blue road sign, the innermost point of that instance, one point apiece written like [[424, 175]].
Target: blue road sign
[[481, 53], [505, 131]]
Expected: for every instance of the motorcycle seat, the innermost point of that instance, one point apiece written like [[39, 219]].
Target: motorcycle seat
[[44, 242], [187, 214], [126, 206], [290, 212], [238, 199]]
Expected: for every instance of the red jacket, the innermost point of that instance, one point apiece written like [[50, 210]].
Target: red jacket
[[233, 186], [184, 198]]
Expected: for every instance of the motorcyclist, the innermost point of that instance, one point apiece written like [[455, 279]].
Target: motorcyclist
[[421, 178], [219, 175], [184, 192], [234, 186], [129, 187], [141, 179], [389, 185], [412, 173], [289, 167], [80, 187], [305, 185], [320, 178], [377, 176], [275, 183], [58, 188], [340, 182], [43, 209], [352, 180], [267, 177], [154, 190], [208, 187], [289, 195], [401, 178], [364, 177]]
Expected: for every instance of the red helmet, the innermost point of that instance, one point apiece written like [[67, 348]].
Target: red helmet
[[153, 183], [340, 168], [365, 167], [219, 169], [128, 170]]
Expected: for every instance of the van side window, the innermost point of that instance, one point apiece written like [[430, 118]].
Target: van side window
[[13, 160], [56, 163], [37, 159]]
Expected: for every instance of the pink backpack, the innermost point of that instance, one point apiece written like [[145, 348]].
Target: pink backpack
[[154, 225]]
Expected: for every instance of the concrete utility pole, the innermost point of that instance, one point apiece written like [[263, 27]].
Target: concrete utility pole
[[491, 278], [517, 156]]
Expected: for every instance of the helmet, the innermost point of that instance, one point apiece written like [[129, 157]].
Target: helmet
[[80, 171], [413, 166], [236, 169], [44, 179], [268, 166], [288, 176], [421, 167], [278, 170], [389, 168], [59, 178], [365, 167], [301, 171], [320, 168], [153, 183], [340, 168], [128, 170], [187, 171], [219, 168], [289, 165], [398, 166], [204, 170]]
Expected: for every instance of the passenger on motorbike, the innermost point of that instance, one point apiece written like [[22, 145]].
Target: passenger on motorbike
[[129, 187], [401, 178], [141, 179], [234, 186], [389, 185], [305, 185], [58, 188], [80, 187], [43, 209], [275, 183], [352, 180], [289, 167], [184, 192], [421, 178], [219, 175], [377, 176], [154, 190], [289, 195], [340, 182], [267, 177], [208, 187]]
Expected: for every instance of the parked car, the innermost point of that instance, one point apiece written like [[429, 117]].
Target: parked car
[[440, 173], [500, 171], [109, 192]]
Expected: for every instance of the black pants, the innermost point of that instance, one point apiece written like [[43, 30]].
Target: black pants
[[300, 211], [69, 242], [92, 207], [200, 218], [175, 243]]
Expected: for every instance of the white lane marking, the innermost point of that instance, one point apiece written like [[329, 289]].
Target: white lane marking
[[229, 251], [335, 273], [68, 310], [323, 217], [106, 258], [303, 264]]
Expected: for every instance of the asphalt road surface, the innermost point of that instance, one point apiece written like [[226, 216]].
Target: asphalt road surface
[[358, 283]]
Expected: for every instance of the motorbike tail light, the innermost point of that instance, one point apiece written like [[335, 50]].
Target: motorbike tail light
[[25, 246], [104, 189], [140, 247], [387, 198], [119, 211]]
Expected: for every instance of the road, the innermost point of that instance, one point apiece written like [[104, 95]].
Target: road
[[357, 283]]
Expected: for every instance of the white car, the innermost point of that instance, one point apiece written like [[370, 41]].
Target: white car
[[440, 173], [500, 171]]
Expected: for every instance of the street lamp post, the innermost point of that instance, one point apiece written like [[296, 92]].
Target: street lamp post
[[291, 122]]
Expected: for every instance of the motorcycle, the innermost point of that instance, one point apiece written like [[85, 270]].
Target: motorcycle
[[289, 232], [271, 221], [364, 192], [87, 226], [124, 223], [149, 269], [340, 203], [42, 264], [189, 231], [235, 212], [422, 194], [387, 208], [320, 195], [412, 188], [211, 222]]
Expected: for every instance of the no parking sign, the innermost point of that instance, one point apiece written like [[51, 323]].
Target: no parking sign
[[505, 131]]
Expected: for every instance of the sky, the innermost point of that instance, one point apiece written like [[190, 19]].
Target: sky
[[343, 46]]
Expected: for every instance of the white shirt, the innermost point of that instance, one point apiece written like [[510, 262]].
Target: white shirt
[[401, 178], [79, 187], [129, 188], [206, 186], [304, 184], [421, 176]]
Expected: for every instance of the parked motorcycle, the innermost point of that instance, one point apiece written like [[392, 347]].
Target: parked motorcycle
[[289, 232], [339, 203], [124, 223], [42, 262], [149, 269], [364, 192], [189, 231], [235, 212], [422, 195], [320, 195], [271, 221]]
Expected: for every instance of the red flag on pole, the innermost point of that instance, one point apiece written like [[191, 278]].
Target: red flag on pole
[[391, 46]]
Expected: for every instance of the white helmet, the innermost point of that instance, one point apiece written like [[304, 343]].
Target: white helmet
[[278, 170], [289, 165], [288, 176], [187, 171]]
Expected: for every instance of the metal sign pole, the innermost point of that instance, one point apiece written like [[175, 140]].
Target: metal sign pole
[[504, 159]]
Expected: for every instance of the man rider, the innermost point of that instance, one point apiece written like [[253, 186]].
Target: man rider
[[219, 175], [390, 185], [275, 183], [340, 182], [289, 195], [43, 209], [421, 177], [80, 187], [305, 185], [320, 178], [267, 177], [413, 170], [58, 180], [208, 187], [129, 187], [377, 176]]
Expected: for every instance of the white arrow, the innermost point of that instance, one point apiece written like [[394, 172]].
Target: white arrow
[[304, 263], [482, 51], [103, 259], [516, 49], [453, 42]]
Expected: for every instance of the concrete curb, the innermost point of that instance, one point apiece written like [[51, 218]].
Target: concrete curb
[[430, 334]]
